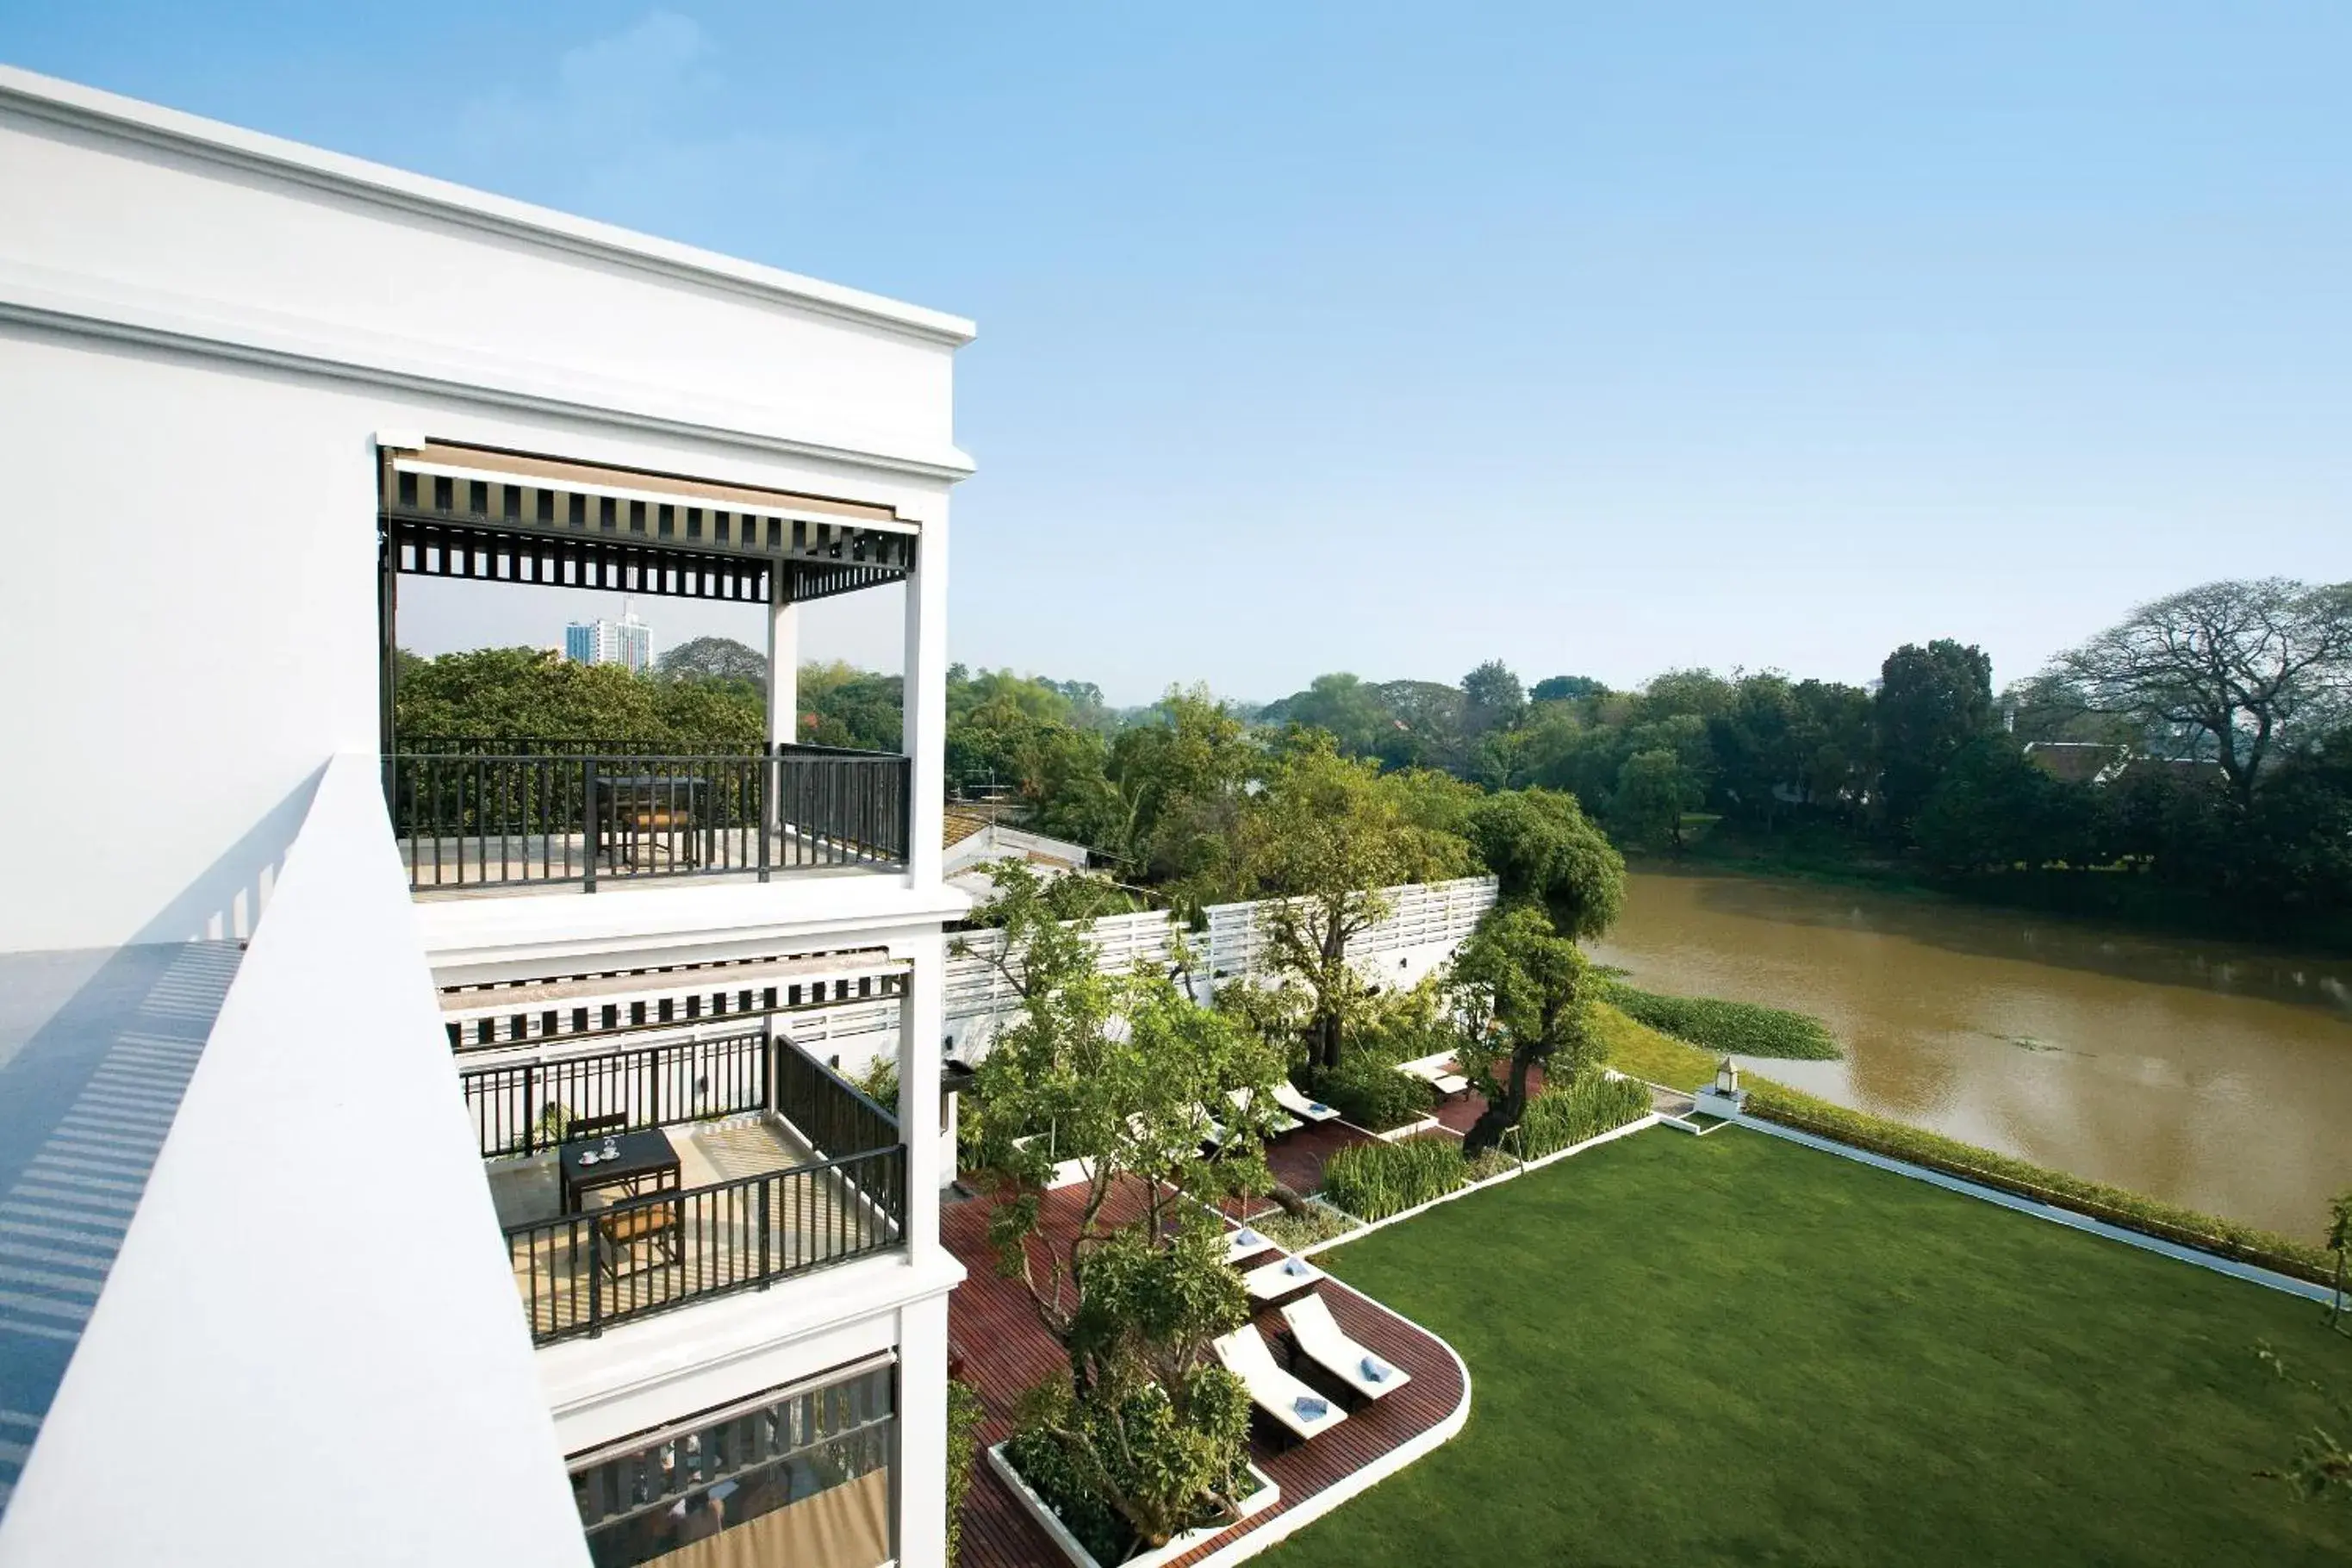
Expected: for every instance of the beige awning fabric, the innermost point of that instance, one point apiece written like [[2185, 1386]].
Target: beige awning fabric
[[457, 511]]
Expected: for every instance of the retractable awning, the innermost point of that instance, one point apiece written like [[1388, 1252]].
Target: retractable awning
[[453, 510]]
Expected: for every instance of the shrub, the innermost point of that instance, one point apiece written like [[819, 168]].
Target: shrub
[[1129, 1437], [1372, 1094], [2116, 1205], [1373, 1181], [1583, 1107], [965, 1412], [1321, 1222], [1729, 1028]]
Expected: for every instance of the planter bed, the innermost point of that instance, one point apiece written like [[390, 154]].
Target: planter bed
[[1265, 1497]]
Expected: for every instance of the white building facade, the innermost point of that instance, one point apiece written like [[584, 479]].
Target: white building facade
[[509, 1208]]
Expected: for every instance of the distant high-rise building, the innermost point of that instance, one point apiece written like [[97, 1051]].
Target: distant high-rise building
[[627, 641]]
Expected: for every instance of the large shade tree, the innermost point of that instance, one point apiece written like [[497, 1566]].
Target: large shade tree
[[1932, 702], [2231, 672], [1322, 840], [1525, 992]]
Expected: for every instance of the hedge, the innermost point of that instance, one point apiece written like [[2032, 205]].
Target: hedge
[[1373, 1181], [1727, 1029], [2116, 1205], [1372, 1094], [1585, 1108]]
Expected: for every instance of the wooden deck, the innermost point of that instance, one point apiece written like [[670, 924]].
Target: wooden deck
[[1002, 1350]]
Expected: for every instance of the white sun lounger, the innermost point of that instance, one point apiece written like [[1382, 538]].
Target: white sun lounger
[[1287, 1403], [1277, 1121], [1322, 1340], [1435, 1075], [1286, 1095], [1286, 1276], [1246, 1243]]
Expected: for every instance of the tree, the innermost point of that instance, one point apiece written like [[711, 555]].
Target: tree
[[1653, 789], [2229, 671], [1931, 701], [718, 658], [1492, 699], [1183, 779], [1542, 848], [1525, 991], [1322, 840], [1567, 689], [1116, 1071], [1340, 705], [1992, 809], [2339, 1241], [514, 693]]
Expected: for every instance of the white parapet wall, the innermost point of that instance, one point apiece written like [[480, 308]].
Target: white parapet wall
[[1426, 922], [312, 1297]]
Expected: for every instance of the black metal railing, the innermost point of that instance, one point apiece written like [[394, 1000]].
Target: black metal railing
[[473, 820], [832, 1113], [581, 1273], [521, 1108], [569, 746]]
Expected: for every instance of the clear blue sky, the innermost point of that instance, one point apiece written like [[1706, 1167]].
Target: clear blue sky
[[1387, 339]]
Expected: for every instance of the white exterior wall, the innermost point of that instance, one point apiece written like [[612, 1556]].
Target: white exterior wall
[[201, 333]]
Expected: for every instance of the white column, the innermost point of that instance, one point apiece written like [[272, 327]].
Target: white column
[[925, 730], [783, 661], [922, 1478], [922, 1025]]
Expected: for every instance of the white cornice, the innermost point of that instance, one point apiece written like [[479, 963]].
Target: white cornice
[[107, 114], [485, 379]]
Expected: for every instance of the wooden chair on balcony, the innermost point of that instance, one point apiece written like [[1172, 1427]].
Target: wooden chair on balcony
[[631, 1241]]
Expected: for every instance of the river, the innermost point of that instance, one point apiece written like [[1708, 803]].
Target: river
[[2212, 1074]]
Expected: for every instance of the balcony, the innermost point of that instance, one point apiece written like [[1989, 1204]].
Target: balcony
[[476, 816], [635, 1180]]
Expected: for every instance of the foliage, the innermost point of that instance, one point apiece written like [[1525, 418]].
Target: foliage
[[1324, 836], [1654, 790], [1371, 1093], [2117, 1205], [716, 658], [1492, 698], [2322, 1466], [2338, 1241], [844, 706], [1585, 1106], [1373, 1181], [1314, 1222], [879, 1081], [1522, 990], [1183, 778], [1727, 1029], [1540, 846], [1993, 809], [1121, 1068], [517, 692], [2230, 671], [1129, 1464], [965, 1413], [1932, 702], [1850, 1367]]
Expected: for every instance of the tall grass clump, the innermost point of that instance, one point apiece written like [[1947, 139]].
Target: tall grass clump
[[1373, 1181], [1727, 1029], [1585, 1108]]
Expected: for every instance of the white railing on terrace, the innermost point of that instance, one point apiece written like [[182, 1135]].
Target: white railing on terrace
[[1421, 914]]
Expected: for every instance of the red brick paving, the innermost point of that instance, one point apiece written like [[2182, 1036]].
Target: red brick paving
[[1004, 1349]]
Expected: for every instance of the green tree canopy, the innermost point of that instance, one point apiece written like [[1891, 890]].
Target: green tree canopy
[[1542, 848], [1524, 991], [1931, 702]]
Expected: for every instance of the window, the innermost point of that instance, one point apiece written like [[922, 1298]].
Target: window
[[795, 1477]]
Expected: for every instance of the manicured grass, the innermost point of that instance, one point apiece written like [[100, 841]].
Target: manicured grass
[[1736, 1350], [1642, 1052]]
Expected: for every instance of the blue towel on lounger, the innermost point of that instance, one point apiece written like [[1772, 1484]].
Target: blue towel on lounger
[[1310, 1409], [1248, 1236], [1295, 1267], [1376, 1370]]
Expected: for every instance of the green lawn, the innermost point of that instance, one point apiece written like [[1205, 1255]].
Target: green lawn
[[1736, 1350]]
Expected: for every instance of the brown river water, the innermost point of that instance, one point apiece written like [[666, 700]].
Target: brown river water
[[2212, 1074]]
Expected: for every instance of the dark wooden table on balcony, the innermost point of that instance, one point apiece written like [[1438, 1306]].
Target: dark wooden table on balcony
[[657, 813], [644, 1155]]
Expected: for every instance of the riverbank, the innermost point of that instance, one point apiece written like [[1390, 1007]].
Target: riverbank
[[2114, 897], [2214, 1077]]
